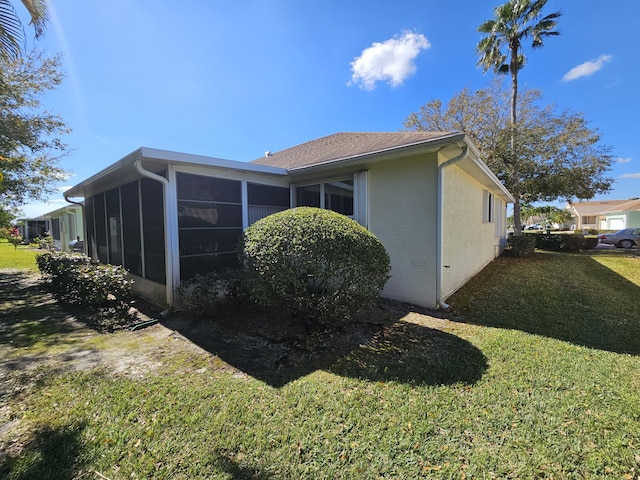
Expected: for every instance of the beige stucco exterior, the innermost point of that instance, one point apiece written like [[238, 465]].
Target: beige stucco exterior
[[470, 241], [425, 198], [403, 206], [403, 197], [70, 225]]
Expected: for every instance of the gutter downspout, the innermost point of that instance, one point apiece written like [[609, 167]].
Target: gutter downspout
[[81, 205], [168, 200], [440, 240]]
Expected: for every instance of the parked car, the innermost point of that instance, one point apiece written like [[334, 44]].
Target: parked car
[[539, 226], [626, 238]]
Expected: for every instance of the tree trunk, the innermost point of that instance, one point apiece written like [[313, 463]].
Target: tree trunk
[[513, 69]]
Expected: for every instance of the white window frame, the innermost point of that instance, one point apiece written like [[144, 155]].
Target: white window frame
[[360, 197], [488, 207]]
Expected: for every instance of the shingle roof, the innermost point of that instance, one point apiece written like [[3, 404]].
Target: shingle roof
[[344, 145], [606, 206]]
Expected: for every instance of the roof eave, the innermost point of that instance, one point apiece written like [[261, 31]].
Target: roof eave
[[166, 157], [379, 155]]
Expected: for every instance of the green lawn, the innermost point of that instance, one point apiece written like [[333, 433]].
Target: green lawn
[[535, 375], [22, 258]]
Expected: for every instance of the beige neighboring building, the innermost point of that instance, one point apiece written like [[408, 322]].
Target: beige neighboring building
[[437, 208], [66, 225], [605, 214]]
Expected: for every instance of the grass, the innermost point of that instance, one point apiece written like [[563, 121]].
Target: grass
[[22, 258], [537, 375]]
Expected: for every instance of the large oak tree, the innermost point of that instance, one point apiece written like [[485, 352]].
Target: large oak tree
[[559, 155]]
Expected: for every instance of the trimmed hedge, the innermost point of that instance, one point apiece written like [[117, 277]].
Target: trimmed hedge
[[77, 279], [566, 242], [522, 245], [316, 263]]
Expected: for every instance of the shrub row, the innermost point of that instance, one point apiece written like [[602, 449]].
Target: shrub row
[[566, 242], [76, 278], [525, 244], [521, 245]]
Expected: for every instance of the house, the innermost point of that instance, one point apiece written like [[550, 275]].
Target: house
[[606, 214], [30, 228], [66, 225], [437, 208]]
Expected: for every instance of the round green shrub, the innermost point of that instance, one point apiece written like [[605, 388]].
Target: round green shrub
[[317, 263]]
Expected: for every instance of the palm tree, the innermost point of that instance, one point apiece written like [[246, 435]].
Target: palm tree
[[11, 31], [514, 22]]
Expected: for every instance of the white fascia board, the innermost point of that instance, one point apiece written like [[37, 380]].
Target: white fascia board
[[476, 158], [168, 157], [178, 157]]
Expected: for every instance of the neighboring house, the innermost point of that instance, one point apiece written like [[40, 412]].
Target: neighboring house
[[31, 228], [437, 208], [66, 224], [606, 214]]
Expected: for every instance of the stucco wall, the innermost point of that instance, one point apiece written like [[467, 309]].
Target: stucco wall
[[71, 226], [403, 215], [469, 243], [633, 220]]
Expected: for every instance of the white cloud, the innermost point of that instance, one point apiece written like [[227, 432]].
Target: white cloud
[[391, 61], [64, 188], [623, 160], [631, 175], [587, 68]]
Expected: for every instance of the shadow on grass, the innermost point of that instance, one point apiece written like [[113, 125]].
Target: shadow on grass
[[29, 313], [229, 464], [380, 346], [570, 297], [51, 454]]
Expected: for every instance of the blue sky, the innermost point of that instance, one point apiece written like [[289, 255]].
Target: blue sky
[[233, 79]]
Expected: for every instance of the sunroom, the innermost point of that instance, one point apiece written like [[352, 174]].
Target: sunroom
[[168, 216]]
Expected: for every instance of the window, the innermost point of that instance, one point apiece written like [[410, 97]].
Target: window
[[334, 195], [114, 237], [101, 227], [153, 229], [131, 237], [488, 207], [589, 220], [90, 221], [55, 228], [338, 196], [263, 200], [209, 223], [308, 196], [347, 196], [115, 231]]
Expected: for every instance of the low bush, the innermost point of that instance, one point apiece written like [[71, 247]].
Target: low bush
[[566, 242], [522, 245], [203, 295], [77, 279], [590, 242], [316, 263]]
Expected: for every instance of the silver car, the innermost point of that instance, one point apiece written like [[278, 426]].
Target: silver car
[[626, 238]]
